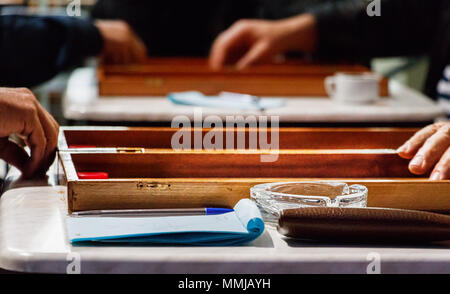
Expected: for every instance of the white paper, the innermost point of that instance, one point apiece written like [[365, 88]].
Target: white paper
[[97, 228]]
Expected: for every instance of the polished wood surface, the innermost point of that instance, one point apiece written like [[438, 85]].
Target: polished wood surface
[[406, 193], [158, 177], [202, 164], [160, 76], [289, 138]]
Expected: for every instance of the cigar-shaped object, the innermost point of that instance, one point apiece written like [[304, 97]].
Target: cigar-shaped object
[[364, 224]]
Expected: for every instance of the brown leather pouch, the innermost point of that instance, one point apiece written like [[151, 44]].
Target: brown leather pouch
[[364, 224]]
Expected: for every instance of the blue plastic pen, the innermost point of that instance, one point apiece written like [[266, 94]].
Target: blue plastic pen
[[151, 212]]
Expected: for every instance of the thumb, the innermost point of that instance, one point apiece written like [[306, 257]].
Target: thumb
[[256, 54]]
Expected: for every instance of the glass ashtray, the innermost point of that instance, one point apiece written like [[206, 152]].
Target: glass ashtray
[[273, 198]]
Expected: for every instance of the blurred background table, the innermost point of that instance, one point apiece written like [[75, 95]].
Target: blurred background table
[[405, 107]]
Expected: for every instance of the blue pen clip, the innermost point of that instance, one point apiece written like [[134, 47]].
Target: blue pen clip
[[215, 211]]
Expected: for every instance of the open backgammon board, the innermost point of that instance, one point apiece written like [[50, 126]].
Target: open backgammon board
[[143, 171], [160, 76]]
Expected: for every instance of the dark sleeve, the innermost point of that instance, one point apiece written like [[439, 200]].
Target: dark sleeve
[[34, 49], [405, 27]]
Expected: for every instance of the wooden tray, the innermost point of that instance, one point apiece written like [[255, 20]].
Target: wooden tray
[[160, 76], [150, 175]]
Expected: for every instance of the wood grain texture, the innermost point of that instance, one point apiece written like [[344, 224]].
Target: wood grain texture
[[160, 177], [192, 190], [405, 193], [289, 138], [160, 76], [238, 164]]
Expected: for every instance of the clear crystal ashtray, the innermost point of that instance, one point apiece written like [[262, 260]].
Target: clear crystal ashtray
[[273, 198]]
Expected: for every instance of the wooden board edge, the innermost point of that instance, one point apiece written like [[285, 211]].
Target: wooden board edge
[[69, 170], [62, 142], [146, 193]]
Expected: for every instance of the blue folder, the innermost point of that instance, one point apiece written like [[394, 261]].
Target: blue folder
[[242, 225]]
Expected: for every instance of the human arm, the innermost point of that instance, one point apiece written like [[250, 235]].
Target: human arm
[[33, 49], [252, 41], [335, 30], [22, 115], [429, 150]]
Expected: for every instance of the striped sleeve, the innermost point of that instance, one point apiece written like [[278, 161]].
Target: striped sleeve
[[443, 89]]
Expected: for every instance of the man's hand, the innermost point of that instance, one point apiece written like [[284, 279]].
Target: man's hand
[[21, 114], [253, 41], [429, 149], [121, 44]]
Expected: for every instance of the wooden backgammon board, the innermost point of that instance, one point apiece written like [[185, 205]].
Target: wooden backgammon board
[[161, 76], [143, 171]]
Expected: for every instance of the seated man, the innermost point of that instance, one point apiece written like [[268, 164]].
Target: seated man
[[34, 49], [188, 28], [21, 114], [342, 30]]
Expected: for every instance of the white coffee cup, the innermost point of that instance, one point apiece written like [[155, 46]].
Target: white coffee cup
[[359, 88]]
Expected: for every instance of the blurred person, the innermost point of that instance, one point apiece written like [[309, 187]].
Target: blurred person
[[342, 30], [33, 49], [188, 28]]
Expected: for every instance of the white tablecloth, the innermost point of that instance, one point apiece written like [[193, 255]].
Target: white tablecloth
[[33, 239]]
